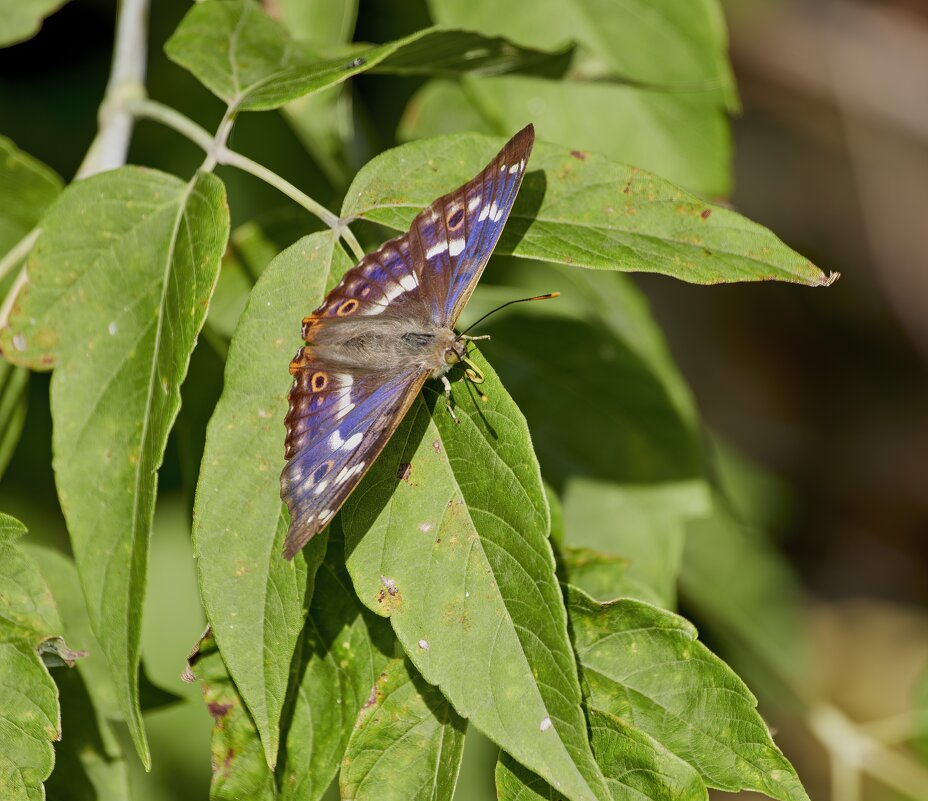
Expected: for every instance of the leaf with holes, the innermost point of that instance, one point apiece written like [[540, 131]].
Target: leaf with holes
[[119, 283]]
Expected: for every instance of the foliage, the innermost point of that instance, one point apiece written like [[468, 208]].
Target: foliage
[[517, 572]]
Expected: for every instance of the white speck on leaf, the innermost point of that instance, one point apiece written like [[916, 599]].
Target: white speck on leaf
[[19, 342], [112, 329], [389, 584], [424, 645], [425, 528], [545, 724]]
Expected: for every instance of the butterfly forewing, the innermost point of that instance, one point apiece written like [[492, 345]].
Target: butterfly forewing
[[342, 413], [455, 236]]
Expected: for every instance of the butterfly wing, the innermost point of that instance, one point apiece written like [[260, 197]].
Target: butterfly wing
[[341, 415], [335, 430], [455, 236]]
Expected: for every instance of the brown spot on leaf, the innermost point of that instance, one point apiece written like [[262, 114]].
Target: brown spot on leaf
[[436, 446], [578, 154], [706, 213], [218, 711]]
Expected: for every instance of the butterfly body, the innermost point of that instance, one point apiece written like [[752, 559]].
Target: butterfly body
[[386, 328]]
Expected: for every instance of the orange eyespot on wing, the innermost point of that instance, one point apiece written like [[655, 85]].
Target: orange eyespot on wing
[[319, 381], [347, 307]]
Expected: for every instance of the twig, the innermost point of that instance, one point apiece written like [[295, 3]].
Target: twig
[[126, 82], [218, 153], [18, 252]]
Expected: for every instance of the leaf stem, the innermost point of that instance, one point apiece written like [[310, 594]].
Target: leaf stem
[[218, 153], [18, 252]]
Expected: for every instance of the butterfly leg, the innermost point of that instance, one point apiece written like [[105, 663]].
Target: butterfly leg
[[449, 399], [473, 339]]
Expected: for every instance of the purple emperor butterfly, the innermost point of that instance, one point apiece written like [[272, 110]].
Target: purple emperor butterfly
[[378, 335]]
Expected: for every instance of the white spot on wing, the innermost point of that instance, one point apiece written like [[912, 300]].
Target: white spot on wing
[[496, 215], [514, 169], [325, 514], [336, 441], [436, 250], [455, 246], [409, 281], [321, 488], [473, 203], [353, 441], [502, 167], [484, 213]]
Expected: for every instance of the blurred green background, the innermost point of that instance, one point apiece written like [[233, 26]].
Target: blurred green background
[[821, 397]]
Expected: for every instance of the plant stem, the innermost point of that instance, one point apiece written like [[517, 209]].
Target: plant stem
[[126, 82], [18, 252], [218, 153]]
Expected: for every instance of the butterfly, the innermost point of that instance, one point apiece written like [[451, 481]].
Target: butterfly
[[378, 335]]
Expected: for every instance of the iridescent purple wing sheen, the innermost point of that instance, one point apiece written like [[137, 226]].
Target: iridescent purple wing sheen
[[340, 416], [333, 436], [455, 236]]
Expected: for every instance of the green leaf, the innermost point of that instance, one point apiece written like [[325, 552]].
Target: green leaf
[[629, 124], [644, 525], [637, 768], [119, 283], [457, 556], [407, 743], [239, 766], [343, 649], [89, 756], [755, 615], [14, 396], [30, 638], [644, 666], [21, 19], [319, 23], [249, 60], [254, 598], [584, 210], [27, 187], [690, 37]]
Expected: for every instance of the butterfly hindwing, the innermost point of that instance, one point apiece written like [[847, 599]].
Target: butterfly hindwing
[[337, 425]]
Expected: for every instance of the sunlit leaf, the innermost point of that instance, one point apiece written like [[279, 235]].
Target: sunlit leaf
[[583, 210], [637, 768], [250, 61], [456, 554], [118, 287], [318, 22], [645, 666], [254, 598], [30, 638], [407, 743], [629, 124]]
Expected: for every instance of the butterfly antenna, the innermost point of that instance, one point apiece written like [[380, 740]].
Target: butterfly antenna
[[548, 296]]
